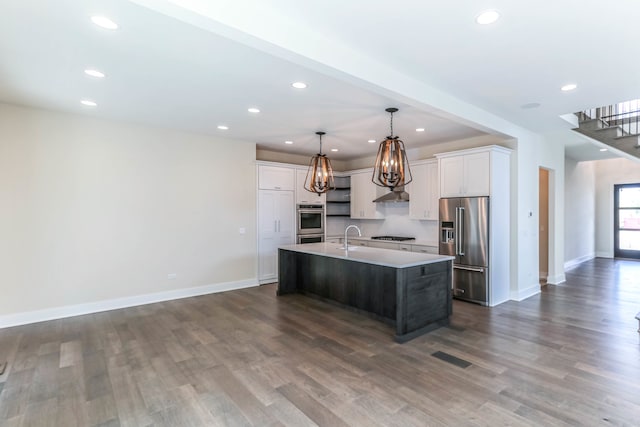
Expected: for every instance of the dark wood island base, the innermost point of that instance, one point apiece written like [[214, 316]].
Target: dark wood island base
[[415, 299]]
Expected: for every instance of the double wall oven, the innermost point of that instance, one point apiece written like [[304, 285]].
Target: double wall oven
[[310, 223]]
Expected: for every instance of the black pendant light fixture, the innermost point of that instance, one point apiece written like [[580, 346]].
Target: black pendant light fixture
[[392, 167], [320, 174]]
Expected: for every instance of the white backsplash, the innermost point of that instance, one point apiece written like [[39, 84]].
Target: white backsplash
[[396, 223]]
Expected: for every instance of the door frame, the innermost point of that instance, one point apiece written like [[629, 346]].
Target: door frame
[[621, 253]]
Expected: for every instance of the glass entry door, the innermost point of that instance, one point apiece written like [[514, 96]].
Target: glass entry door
[[627, 221]]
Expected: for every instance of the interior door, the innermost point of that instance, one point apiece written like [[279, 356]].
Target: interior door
[[626, 221]]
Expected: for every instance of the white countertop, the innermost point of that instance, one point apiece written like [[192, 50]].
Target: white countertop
[[404, 242], [378, 256]]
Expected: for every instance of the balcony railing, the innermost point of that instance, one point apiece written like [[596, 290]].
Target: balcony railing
[[616, 115]]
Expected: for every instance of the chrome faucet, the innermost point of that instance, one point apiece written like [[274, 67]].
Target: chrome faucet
[[346, 241]]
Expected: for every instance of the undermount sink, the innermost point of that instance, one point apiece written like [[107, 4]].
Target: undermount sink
[[348, 248]]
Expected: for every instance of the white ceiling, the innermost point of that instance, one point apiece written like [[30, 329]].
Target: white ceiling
[[195, 64]]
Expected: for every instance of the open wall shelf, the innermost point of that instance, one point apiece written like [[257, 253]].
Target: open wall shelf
[[339, 200]]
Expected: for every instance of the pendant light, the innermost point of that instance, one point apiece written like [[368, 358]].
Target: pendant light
[[320, 174], [392, 167]]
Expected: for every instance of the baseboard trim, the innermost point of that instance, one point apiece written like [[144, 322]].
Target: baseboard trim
[[557, 279], [604, 254], [577, 261], [54, 313], [525, 293]]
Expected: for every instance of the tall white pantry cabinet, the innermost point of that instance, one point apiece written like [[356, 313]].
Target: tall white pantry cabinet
[[485, 171], [276, 217]]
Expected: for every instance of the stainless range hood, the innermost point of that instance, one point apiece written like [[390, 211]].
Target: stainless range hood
[[397, 195]]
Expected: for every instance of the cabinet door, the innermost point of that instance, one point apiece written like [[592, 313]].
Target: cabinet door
[[424, 249], [267, 235], [358, 182], [276, 227], [383, 244], [275, 178], [433, 191], [304, 196], [286, 218], [417, 190], [477, 170], [363, 192], [452, 176]]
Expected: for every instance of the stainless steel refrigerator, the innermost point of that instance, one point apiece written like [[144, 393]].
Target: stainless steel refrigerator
[[464, 233]]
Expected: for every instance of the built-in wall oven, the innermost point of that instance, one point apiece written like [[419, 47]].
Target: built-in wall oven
[[310, 219], [310, 223]]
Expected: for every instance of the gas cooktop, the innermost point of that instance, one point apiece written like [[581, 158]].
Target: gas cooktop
[[394, 238]]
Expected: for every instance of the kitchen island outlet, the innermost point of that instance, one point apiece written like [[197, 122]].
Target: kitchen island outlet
[[411, 291]]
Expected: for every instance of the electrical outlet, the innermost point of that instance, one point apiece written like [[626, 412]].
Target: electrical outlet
[[242, 230], [171, 276]]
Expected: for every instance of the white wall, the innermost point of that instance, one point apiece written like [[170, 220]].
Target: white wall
[[535, 151], [396, 222], [580, 211], [608, 173], [94, 211]]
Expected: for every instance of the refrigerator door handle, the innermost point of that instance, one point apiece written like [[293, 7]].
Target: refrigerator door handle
[[474, 269], [456, 234], [461, 231]]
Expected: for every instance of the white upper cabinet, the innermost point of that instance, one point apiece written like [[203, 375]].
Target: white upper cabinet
[[304, 196], [424, 191], [363, 192], [465, 175], [276, 178]]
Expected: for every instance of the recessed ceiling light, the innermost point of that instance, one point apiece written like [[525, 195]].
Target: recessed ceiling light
[[223, 127], [604, 149], [253, 110], [530, 105], [568, 87], [334, 149], [104, 22], [94, 73], [88, 103], [420, 130], [487, 17], [371, 141], [288, 142], [299, 85]]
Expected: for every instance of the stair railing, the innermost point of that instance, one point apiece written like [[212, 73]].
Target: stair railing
[[615, 115]]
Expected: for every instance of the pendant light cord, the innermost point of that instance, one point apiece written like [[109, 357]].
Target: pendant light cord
[[320, 145], [391, 124]]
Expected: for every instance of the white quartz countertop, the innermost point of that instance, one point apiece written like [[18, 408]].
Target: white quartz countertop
[[378, 256], [404, 242]]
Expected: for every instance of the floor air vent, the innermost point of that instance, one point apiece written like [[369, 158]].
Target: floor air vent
[[451, 359]]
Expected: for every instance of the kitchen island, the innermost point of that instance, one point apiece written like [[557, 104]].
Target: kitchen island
[[411, 291]]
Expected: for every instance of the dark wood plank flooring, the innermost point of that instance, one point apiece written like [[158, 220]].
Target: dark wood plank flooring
[[570, 356]]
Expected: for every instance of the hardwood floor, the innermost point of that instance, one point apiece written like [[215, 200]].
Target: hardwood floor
[[569, 356]]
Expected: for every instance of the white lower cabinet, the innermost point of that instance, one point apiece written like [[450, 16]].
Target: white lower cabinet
[[425, 249], [382, 244], [276, 227]]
